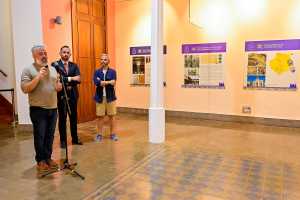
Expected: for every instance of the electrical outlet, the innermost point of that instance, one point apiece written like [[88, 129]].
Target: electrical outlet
[[246, 109]]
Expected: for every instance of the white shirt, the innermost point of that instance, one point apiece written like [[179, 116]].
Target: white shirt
[[66, 64], [104, 90]]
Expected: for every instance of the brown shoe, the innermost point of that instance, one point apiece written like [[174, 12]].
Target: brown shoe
[[42, 167], [52, 164]]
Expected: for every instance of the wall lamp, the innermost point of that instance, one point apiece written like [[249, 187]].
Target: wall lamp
[[58, 20]]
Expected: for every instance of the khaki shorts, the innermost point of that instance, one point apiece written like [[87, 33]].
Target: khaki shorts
[[105, 108]]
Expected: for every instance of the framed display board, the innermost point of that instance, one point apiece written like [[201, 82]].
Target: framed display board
[[204, 65], [141, 64], [272, 64]]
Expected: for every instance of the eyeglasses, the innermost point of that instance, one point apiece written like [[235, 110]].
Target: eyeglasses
[[42, 53]]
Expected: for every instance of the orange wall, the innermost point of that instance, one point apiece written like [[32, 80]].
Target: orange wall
[[133, 29], [56, 36], [110, 24]]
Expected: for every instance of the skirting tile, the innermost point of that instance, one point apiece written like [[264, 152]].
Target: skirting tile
[[218, 117]]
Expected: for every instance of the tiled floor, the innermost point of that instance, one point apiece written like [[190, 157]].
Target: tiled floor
[[201, 160], [199, 174]]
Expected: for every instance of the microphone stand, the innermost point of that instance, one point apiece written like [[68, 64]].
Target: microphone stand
[[66, 164]]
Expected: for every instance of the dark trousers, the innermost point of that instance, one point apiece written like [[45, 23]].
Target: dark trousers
[[62, 119], [44, 122]]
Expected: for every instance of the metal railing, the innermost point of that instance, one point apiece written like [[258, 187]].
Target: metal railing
[[3, 73], [12, 93]]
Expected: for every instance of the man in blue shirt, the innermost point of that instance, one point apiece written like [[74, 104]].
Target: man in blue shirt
[[105, 97]]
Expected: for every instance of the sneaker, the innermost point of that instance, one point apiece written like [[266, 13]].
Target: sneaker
[[42, 167], [52, 164], [114, 137], [98, 138]]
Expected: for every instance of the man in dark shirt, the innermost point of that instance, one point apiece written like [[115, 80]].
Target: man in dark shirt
[[71, 76]]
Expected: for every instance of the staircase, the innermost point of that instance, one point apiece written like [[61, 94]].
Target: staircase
[[6, 110]]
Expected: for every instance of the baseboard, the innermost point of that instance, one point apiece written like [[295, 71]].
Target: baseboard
[[219, 117], [25, 127], [139, 111]]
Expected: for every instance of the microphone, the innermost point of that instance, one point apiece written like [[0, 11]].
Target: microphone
[[60, 71], [57, 67], [55, 64]]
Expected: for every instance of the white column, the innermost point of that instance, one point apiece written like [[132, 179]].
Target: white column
[[27, 31], [156, 110]]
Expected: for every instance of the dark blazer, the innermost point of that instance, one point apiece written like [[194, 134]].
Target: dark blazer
[[73, 71]]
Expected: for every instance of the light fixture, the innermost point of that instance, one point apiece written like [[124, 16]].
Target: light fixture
[[58, 20], [247, 10], [212, 16]]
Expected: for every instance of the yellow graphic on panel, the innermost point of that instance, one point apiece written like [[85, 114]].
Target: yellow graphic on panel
[[207, 59], [281, 63]]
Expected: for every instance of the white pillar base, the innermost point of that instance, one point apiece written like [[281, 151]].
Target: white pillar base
[[157, 125]]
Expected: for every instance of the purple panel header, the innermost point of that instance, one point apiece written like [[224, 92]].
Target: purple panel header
[[203, 48], [272, 45], [143, 50]]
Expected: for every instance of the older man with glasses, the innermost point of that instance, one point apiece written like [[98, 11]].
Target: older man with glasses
[[41, 83]]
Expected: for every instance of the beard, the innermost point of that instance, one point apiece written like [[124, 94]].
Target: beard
[[65, 58], [42, 62], [104, 64]]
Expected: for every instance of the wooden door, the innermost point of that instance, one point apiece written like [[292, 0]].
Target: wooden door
[[89, 41]]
